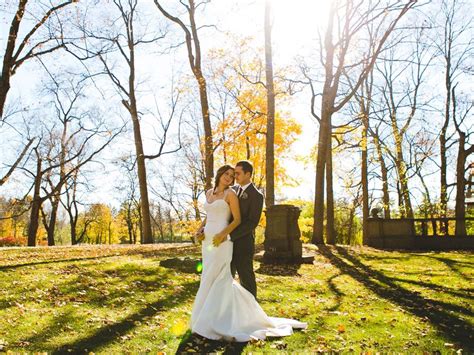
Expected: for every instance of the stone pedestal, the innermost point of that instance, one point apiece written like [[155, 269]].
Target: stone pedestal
[[282, 235]]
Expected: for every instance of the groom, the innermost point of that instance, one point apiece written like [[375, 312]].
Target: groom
[[251, 204]]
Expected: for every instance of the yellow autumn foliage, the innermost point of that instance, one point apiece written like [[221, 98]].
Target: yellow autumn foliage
[[241, 133]]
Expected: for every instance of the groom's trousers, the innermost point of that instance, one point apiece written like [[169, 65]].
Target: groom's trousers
[[242, 263]]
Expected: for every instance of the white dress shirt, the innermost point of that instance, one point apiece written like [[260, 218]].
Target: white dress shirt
[[243, 188]]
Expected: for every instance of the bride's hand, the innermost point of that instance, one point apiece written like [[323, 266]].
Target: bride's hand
[[218, 239], [199, 236]]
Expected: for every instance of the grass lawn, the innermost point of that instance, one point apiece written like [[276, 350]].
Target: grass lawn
[[109, 299]]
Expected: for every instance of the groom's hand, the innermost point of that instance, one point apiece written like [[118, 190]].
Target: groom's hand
[[218, 239]]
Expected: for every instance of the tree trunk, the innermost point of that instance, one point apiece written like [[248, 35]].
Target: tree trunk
[[447, 54], [443, 195], [197, 212], [142, 181], [141, 166], [35, 205], [4, 88], [140, 226], [323, 146], [130, 232], [327, 105], [364, 178], [170, 224], [407, 210], [195, 196], [460, 208], [71, 208], [442, 137], [384, 174], [73, 223], [330, 229], [318, 217], [208, 144], [270, 141], [52, 220], [401, 206], [429, 211]]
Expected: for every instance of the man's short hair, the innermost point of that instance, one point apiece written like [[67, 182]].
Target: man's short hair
[[246, 166]]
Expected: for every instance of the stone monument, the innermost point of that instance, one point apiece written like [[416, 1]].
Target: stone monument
[[282, 235]]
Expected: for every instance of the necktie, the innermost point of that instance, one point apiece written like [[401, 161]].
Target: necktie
[[239, 193]]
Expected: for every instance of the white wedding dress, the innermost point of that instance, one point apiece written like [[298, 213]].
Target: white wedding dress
[[223, 309]]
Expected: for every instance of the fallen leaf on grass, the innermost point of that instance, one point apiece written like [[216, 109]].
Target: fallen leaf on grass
[[3, 345], [125, 337], [279, 345], [257, 342], [23, 343]]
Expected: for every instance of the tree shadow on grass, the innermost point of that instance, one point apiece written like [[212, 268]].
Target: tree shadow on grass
[[109, 292], [338, 294], [279, 269], [453, 265], [46, 262], [194, 343], [39, 340], [467, 293], [145, 253], [110, 333], [437, 312], [186, 264]]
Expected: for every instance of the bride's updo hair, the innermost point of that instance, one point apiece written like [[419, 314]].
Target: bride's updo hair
[[221, 171]]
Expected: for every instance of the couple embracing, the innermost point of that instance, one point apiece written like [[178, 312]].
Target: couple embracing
[[223, 308]]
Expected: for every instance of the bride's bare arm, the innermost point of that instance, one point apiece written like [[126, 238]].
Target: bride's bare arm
[[199, 235], [235, 209], [203, 224]]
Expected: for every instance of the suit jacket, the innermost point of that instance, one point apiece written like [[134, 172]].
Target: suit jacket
[[251, 205]]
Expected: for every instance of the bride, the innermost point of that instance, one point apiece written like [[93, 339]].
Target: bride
[[223, 309]]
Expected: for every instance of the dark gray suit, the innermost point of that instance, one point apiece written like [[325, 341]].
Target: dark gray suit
[[251, 205]]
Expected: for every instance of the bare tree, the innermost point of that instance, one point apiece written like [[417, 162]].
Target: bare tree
[[365, 104], [67, 99], [193, 179], [71, 203], [193, 46], [128, 189], [158, 219], [403, 95], [459, 119], [18, 160], [347, 21], [124, 40], [46, 161], [375, 133], [45, 36], [453, 19]]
